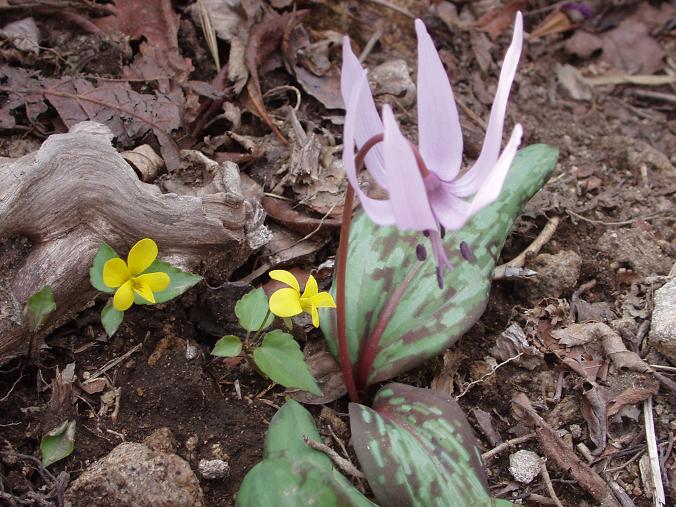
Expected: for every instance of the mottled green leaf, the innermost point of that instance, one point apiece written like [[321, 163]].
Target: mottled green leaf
[[111, 318], [280, 358], [292, 473], [58, 443], [103, 255], [252, 311], [180, 281], [427, 319], [417, 449], [39, 306], [228, 346]]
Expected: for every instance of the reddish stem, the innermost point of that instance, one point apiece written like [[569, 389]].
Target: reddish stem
[[341, 271], [344, 351], [370, 349]]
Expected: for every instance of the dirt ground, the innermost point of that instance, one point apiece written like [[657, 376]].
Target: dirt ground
[[612, 191]]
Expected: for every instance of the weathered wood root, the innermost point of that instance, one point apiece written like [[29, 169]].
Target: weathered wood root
[[76, 192]]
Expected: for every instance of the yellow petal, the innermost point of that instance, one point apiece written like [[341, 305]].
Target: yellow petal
[[124, 297], [141, 256], [284, 276], [142, 288], [323, 300], [285, 303], [157, 281], [315, 316], [311, 288], [115, 272]]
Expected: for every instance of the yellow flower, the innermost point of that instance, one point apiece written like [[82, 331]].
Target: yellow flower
[[289, 302], [128, 279]]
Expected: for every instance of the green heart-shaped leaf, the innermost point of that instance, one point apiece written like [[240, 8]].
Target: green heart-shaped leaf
[[417, 449], [428, 319], [111, 318], [228, 346], [292, 473], [39, 306], [58, 443], [252, 311], [179, 282], [280, 358], [103, 255]]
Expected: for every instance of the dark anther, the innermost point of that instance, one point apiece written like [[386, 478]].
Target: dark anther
[[420, 252], [466, 252], [440, 280], [426, 233], [442, 231]]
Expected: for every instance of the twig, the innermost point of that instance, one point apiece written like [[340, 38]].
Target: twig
[[624, 222], [533, 249], [542, 500], [340, 462], [12, 388], [486, 375], [659, 499], [373, 40], [472, 115], [649, 94], [507, 445], [392, 6], [548, 483], [114, 362]]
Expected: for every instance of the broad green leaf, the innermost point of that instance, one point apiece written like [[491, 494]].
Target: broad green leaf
[[58, 443], [39, 306], [428, 319], [228, 346], [111, 318], [252, 311], [180, 281], [104, 254], [292, 473], [280, 358], [417, 449]]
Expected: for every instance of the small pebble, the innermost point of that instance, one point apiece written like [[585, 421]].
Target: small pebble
[[191, 351], [213, 468], [575, 431], [524, 466]]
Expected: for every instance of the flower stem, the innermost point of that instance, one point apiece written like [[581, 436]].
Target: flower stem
[[370, 349], [341, 270]]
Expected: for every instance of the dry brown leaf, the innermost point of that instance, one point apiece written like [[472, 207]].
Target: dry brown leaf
[[595, 413], [282, 212], [155, 20], [485, 422], [326, 371], [633, 395], [512, 342], [497, 20]]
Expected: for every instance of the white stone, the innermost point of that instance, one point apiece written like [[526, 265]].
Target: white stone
[[213, 468], [524, 466], [663, 324]]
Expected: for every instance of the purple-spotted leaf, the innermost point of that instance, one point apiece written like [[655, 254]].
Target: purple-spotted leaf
[[417, 449], [427, 319]]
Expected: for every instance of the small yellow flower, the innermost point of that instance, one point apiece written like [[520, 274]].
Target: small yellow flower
[[128, 279], [289, 302]]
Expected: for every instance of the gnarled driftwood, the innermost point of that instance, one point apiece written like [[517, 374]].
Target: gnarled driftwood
[[59, 204]]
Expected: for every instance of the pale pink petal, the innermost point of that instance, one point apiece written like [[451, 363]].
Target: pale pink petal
[[492, 185], [408, 195], [440, 137], [368, 123], [470, 182], [379, 211], [450, 210]]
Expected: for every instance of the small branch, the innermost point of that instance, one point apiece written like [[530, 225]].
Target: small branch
[[339, 461], [507, 445], [659, 500], [548, 483], [519, 261], [485, 376]]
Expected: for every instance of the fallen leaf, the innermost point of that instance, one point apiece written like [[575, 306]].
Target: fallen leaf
[[512, 342], [326, 371], [282, 212], [497, 20], [633, 395], [595, 413], [23, 34], [485, 422], [155, 20]]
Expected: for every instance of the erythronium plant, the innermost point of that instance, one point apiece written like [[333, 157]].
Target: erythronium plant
[[396, 318]]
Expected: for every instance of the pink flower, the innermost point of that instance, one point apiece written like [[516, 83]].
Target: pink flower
[[426, 191]]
